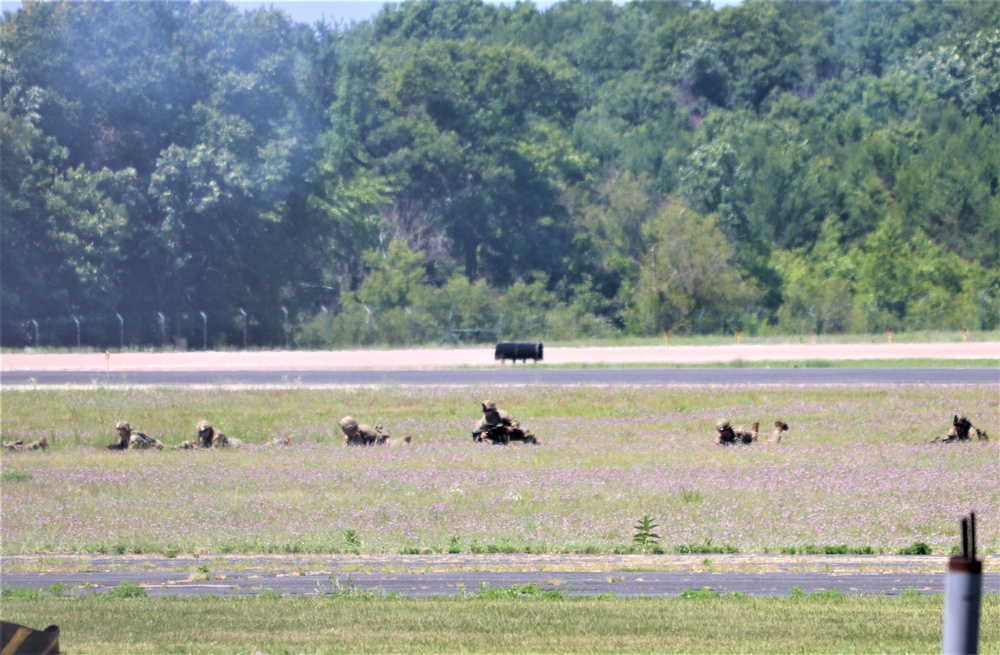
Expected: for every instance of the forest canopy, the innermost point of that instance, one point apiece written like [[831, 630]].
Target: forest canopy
[[187, 170]]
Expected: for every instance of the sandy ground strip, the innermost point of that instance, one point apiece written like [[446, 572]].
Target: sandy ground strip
[[448, 358]]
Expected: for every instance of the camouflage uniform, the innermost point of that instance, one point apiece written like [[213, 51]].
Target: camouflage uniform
[[362, 434], [963, 430], [209, 437], [727, 435], [37, 444], [507, 427], [780, 427], [129, 439]]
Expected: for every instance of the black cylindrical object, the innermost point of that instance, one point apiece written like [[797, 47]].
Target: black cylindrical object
[[516, 351]]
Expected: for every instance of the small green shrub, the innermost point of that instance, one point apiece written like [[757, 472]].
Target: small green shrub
[[526, 591], [127, 590], [705, 548], [266, 593], [644, 535], [918, 548], [704, 592], [689, 497], [353, 541], [14, 476], [23, 593]]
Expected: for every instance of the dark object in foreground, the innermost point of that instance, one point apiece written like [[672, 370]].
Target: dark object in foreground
[[499, 436], [17, 639], [963, 592], [516, 351]]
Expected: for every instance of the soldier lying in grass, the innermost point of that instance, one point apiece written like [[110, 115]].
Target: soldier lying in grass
[[129, 439], [727, 435], [362, 434], [962, 430], [499, 427], [37, 444], [209, 437]]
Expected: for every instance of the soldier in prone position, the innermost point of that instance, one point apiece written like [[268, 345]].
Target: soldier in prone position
[[129, 439], [499, 427], [38, 444], [362, 434], [209, 437], [962, 430], [780, 428], [727, 435]]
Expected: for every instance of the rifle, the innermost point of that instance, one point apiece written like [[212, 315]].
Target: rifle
[[496, 433]]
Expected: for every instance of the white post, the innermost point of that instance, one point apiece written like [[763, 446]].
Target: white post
[[285, 310], [244, 328], [326, 325], [204, 331], [368, 325], [163, 329], [963, 589]]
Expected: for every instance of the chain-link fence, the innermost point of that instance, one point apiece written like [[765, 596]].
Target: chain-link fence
[[356, 325]]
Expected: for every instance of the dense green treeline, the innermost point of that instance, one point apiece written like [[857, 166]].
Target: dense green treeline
[[204, 173]]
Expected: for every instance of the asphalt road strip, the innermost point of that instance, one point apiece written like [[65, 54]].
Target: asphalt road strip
[[463, 574]]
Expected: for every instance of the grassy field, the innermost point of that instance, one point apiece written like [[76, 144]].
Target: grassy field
[[854, 474], [497, 622]]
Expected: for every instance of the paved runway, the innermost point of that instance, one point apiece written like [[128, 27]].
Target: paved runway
[[516, 375], [451, 575]]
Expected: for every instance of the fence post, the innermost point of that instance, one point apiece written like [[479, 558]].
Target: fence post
[[244, 328], [285, 325], [368, 325], [204, 330], [35, 323], [77, 321], [121, 331], [326, 325], [963, 589], [163, 329]]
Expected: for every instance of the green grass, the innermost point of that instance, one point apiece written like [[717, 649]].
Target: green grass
[[503, 622], [697, 622]]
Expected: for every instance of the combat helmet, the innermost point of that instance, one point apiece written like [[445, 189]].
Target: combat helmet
[[721, 424], [203, 425], [489, 406], [123, 425], [348, 423]]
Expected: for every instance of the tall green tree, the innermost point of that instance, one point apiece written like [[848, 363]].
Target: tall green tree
[[61, 231], [689, 280]]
